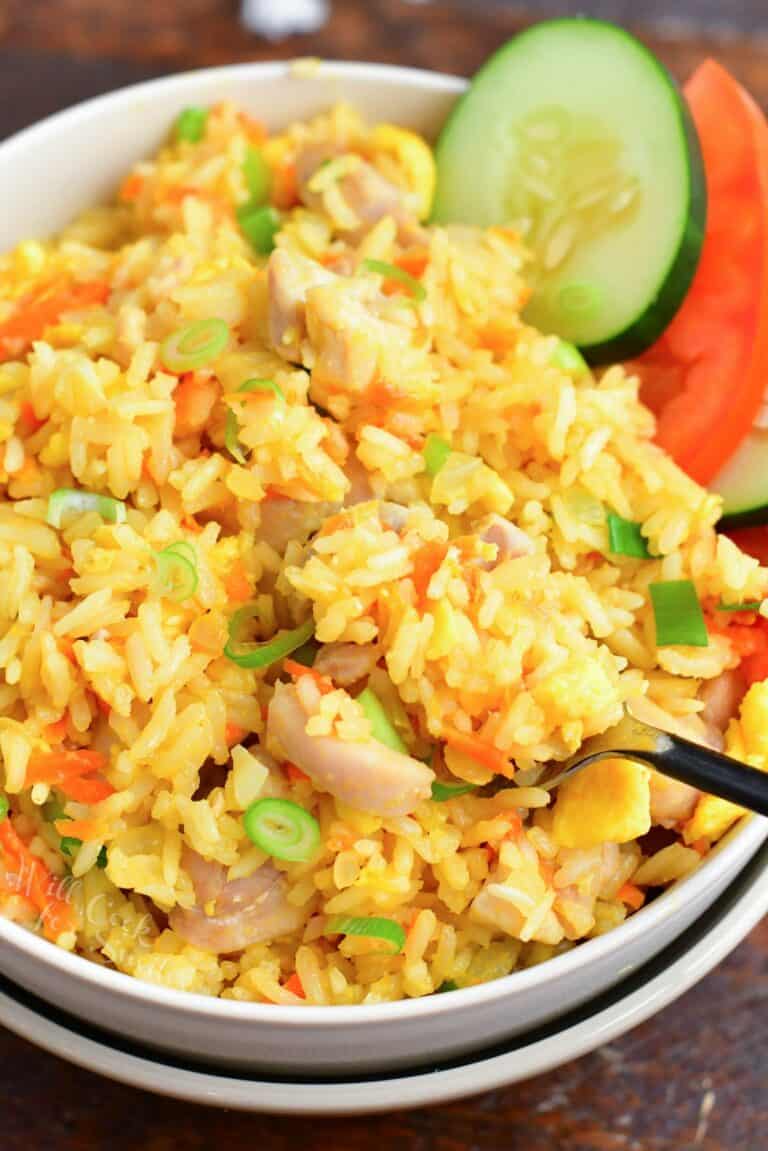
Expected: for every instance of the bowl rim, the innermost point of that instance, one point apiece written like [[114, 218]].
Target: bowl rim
[[741, 841]]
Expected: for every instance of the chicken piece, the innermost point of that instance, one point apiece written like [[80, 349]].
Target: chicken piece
[[722, 696], [246, 911], [284, 519], [346, 663], [672, 802], [289, 278], [368, 776], [511, 542], [367, 195]]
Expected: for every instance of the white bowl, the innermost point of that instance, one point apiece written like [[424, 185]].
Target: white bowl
[[602, 1020], [47, 174]]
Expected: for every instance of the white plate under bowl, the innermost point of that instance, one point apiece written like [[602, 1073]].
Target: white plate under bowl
[[90, 147], [628, 1004]]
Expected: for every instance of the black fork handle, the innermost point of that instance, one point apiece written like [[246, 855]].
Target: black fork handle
[[707, 770]]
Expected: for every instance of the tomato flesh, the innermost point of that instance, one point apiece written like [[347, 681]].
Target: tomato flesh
[[706, 376]]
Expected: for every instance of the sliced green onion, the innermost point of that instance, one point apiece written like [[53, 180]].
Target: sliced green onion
[[185, 549], [569, 359], [392, 272], [194, 346], [258, 655], [53, 810], [101, 859], [372, 927], [447, 985], [751, 605], [259, 226], [441, 792], [191, 123], [231, 426], [258, 178], [4, 806], [175, 576], [382, 727], [282, 829], [625, 538], [70, 501], [678, 614], [436, 452], [70, 844], [307, 653]]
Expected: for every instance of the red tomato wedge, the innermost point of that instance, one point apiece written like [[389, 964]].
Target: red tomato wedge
[[706, 376]]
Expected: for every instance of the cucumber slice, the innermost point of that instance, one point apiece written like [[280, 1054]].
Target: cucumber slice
[[577, 131], [743, 483]]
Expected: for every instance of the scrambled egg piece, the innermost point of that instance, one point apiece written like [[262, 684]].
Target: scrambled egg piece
[[607, 802], [747, 740]]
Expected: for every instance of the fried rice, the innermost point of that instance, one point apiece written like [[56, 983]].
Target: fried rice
[[417, 479]]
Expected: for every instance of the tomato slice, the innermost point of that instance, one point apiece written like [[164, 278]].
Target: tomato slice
[[753, 541], [706, 376]]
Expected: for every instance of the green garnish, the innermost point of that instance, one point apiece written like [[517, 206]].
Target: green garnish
[[441, 792], [625, 538], [191, 123], [307, 653], [392, 272], [446, 985], [258, 178], [53, 810], [259, 226], [231, 426], [245, 653], [382, 728], [678, 614], [101, 859], [371, 927], [283, 829], [69, 844], [4, 806], [175, 574], [71, 501], [194, 346], [569, 359], [750, 605], [436, 452]]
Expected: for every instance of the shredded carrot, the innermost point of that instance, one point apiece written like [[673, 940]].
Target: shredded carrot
[[631, 895], [285, 186], [29, 421], [194, 399], [39, 885], [515, 827], [234, 733], [78, 828], [103, 706], [294, 986], [498, 337], [132, 188], [84, 790], [479, 749], [237, 585], [297, 670], [55, 732], [40, 310], [255, 130], [292, 490], [294, 773], [414, 261], [381, 394], [53, 766], [701, 846], [426, 562], [250, 399]]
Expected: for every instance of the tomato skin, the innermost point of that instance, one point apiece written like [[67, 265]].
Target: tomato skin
[[706, 376], [753, 541]]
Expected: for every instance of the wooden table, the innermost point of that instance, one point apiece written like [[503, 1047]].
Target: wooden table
[[693, 1079]]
